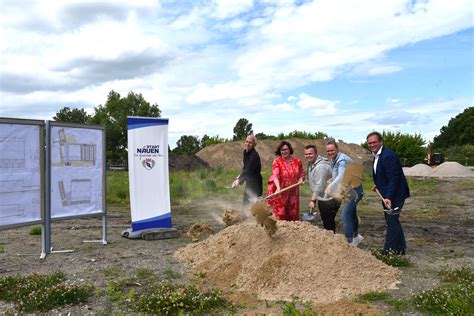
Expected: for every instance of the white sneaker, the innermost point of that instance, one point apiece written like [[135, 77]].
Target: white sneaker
[[357, 240]]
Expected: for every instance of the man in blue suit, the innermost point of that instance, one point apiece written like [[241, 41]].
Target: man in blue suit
[[391, 183]]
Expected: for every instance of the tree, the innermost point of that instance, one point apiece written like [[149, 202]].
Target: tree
[[242, 129], [211, 140], [460, 131], [187, 144], [75, 115], [113, 115], [408, 147]]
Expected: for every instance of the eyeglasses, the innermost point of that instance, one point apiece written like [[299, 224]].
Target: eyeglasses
[[284, 149]]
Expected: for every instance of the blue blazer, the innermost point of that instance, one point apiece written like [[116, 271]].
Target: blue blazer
[[389, 177]]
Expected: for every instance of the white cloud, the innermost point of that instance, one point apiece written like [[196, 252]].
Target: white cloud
[[307, 102], [242, 56]]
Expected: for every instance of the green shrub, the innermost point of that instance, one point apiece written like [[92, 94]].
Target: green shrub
[[41, 292], [35, 230]]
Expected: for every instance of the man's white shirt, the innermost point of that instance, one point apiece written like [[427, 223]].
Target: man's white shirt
[[377, 158]]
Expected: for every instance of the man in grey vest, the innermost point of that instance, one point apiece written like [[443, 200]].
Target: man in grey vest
[[319, 172]]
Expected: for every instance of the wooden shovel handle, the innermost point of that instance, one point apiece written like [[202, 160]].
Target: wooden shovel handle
[[283, 190]]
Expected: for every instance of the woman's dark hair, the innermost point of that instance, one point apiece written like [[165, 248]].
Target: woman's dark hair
[[283, 143]]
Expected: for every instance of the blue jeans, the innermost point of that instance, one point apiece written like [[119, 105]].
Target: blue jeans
[[395, 238], [350, 222]]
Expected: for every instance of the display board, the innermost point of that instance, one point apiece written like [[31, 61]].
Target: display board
[[77, 170], [148, 173], [21, 172]]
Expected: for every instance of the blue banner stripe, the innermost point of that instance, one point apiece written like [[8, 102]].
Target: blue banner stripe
[[162, 221], [136, 122]]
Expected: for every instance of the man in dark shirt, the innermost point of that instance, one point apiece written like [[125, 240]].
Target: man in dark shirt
[[250, 172]]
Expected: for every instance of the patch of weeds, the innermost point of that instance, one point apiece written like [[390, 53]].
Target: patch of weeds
[[399, 305], [454, 298], [143, 274], [203, 174], [35, 230], [391, 259], [291, 309], [166, 298], [371, 297], [210, 185], [170, 274], [113, 272], [463, 274], [42, 292], [115, 290], [2, 248], [428, 213]]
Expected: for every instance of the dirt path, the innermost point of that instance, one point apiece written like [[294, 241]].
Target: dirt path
[[436, 221]]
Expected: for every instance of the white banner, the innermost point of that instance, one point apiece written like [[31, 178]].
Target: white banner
[[148, 173], [77, 171], [20, 174]]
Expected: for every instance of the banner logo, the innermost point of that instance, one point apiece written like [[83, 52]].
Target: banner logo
[[148, 163]]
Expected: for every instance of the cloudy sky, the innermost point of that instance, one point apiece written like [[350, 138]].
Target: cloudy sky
[[341, 67]]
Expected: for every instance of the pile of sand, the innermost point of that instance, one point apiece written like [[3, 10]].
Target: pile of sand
[[300, 260], [229, 155], [419, 170], [452, 169]]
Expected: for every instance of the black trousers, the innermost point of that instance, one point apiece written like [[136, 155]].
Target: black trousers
[[328, 211]]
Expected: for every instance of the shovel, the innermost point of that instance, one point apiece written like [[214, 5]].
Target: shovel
[[310, 217], [262, 212], [388, 210]]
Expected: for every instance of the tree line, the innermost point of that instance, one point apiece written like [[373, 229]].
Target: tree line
[[458, 134]]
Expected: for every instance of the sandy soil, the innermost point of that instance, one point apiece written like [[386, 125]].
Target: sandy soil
[[437, 226]]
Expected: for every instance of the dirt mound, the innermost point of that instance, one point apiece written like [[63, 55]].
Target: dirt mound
[[419, 170], [229, 155], [299, 260], [199, 231], [186, 162], [452, 169]]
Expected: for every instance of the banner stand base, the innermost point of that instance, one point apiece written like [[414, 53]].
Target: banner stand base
[[104, 242], [151, 233]]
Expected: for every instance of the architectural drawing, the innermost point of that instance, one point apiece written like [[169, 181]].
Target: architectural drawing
[[11, 210], [74, 154], [80, 192], [12, 152]]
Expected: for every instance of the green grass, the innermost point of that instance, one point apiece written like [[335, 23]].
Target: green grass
[[35, 231], [391, 259], [2, 248], [42, 293], [372, 297], [454, 298]]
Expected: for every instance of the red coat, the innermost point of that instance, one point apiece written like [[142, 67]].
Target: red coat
[[286, 205]]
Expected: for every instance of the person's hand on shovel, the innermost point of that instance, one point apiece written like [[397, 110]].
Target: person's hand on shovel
[[386, 202], [236, 183]]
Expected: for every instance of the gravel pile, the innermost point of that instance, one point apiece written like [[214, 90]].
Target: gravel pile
[[449, 169]]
